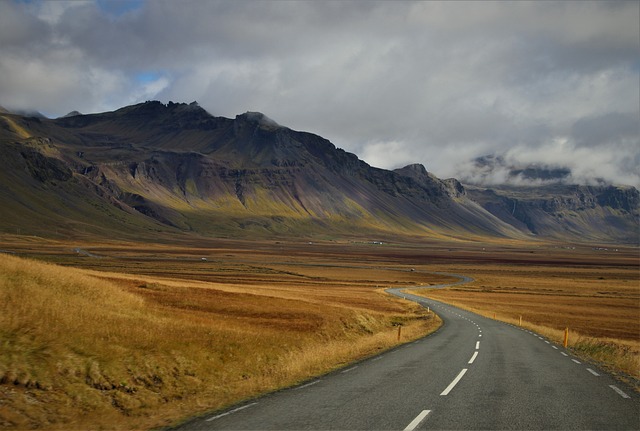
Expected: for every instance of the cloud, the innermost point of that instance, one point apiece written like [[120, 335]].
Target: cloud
[[438, 83]]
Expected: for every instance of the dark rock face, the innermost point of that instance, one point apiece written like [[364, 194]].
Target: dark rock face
[[580, 211], [43, 168]]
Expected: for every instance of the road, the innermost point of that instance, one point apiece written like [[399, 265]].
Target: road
[[473, 373]]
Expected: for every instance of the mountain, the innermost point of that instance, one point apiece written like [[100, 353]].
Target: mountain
[[590, 213], [155, 169], [487, 169]]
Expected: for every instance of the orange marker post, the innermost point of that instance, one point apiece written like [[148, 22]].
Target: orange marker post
[[566, 337]]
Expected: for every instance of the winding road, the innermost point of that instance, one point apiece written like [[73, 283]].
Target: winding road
[[473, 373]]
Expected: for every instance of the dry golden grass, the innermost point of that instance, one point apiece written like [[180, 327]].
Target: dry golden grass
[[132, 336], [599, 304], [109, 350]]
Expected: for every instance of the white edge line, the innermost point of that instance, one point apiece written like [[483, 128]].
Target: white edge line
[[619, 391], [477, 345], [473, 358], [555, 347], [308, 384], [229, 412], [563, 354], [576, 361], [418, 420], [349, 369], [454, 382], [593, 372]]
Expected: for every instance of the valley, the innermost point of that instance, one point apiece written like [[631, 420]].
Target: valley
[[135, 335]]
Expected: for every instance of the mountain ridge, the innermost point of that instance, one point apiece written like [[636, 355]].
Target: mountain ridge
[[176, 168]]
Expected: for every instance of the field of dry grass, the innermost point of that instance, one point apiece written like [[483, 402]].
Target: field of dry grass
[[140, 337], [599, 303], [109, 335]]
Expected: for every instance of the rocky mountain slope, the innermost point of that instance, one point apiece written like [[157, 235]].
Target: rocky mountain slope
[[153, 168]]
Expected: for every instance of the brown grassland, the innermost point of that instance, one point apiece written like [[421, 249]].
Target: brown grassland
[[139, 337], [108, 335]]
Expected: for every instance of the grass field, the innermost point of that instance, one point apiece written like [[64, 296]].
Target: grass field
[[143, 337], [110, 335], [599, 304]]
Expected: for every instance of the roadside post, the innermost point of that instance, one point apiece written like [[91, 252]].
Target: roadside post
[[566, 337]]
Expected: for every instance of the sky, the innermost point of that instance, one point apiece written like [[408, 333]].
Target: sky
[[550, 84]]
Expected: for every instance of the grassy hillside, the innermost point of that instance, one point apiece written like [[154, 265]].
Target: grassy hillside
[[101, 350]]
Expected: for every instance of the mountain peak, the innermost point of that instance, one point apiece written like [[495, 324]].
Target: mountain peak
[[258, 118], [72, 114]]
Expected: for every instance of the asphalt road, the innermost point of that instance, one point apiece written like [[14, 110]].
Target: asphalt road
[[473, 373]]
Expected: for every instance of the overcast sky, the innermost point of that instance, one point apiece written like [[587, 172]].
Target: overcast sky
[[556, 84]]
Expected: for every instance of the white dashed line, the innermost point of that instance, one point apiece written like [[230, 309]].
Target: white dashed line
[[308, 384], [593, 372], [348, 369], [229, 412], [576, 361], [619, 391], [563, 354], [454, 382], [418, 420], [473, 358], [555, 347], [477, 345]]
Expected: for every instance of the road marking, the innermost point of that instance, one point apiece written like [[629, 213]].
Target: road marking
[[480, 335], [473, 358], [376, 359], [547, 342], [563, 354], [576, 361], [619, 391], [229, 412], [454, 382], [308, 384], [477, 345], [418, 420], [555, 347], [593, 372], [349, 369]]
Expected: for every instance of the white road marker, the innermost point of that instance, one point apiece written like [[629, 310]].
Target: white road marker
[[473, 358], [576, 361], [593, 372], [547, 342], [619, 391], [418, 420], [477, 345], [480, 335], [563, 354], [229, 412], [348, 369], [308, 384], [454, 383], [555, 347]]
